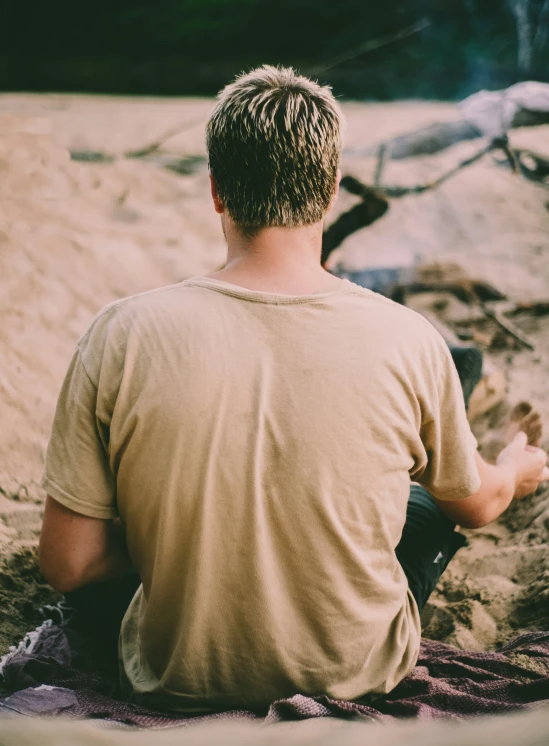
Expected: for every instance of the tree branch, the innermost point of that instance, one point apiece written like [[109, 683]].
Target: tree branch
[[371, 46]]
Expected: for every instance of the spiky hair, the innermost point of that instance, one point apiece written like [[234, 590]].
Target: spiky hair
[[274, 143]]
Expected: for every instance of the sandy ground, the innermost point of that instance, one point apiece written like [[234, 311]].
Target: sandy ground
[[526, 729], [75, 236]]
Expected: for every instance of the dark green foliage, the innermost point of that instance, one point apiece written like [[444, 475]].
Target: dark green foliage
[[194, 46]]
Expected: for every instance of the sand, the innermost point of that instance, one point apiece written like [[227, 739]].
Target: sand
[[526, 729], [75, 236]]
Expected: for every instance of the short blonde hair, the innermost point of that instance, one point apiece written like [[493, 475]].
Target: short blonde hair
[[274, 144]]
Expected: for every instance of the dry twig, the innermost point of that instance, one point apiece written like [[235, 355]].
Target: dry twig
[[151, 147], [371, 46], [506, 325]]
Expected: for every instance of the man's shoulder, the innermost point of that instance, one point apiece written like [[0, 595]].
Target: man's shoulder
[[403, 331], [390, 311], [134, 315], [127, 311]]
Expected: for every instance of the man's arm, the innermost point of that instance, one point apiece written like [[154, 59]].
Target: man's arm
[[519, 470], [76, 550]]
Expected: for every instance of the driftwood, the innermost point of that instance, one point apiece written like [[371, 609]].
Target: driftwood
[[532, 166], [437, 137], [535, 308], [91, 156], [479, 294], [428, 140], [489, 114], [157, 144], [508, 327], [400, 284], [467, 291], [374, 204], [179, 164], [152, 153], [375, 199], [380, 166]]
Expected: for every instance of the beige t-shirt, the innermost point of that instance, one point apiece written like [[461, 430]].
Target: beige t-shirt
[[259, 448]]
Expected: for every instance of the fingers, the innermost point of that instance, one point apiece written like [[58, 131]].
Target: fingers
[[520, 441], [538, 454], [529, 459], [520, 410], [532, 425]]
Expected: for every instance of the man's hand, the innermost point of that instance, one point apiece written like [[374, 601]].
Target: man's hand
[[527, 464], [519, 471]]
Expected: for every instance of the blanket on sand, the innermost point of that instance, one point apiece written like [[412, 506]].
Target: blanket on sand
[[56, 670]]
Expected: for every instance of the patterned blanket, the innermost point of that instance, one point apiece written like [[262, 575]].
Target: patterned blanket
[[55, 671]]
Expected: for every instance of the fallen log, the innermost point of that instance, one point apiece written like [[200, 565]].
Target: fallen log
[[508, 327], [398, 283], [532, 166], [536, 308], [374, 199], [429, 140], [488, 114], [366, 212]]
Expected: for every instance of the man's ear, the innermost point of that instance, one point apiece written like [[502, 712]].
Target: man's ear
[[336, 193], [218, 204]]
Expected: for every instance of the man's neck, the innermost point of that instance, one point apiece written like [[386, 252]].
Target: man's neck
[[276, 260]]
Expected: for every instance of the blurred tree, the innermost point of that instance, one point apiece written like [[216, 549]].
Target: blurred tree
[[532, 22], [191, 46]]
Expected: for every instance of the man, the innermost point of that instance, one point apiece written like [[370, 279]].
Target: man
[[256, 432]]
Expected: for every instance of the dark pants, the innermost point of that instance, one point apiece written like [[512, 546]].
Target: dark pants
[[429, 541]]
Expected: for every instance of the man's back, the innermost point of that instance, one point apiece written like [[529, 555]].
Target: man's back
[[258, 447], [262, 447]]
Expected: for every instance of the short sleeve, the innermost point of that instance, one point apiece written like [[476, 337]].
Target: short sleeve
[[451, 472], [77, 472]]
